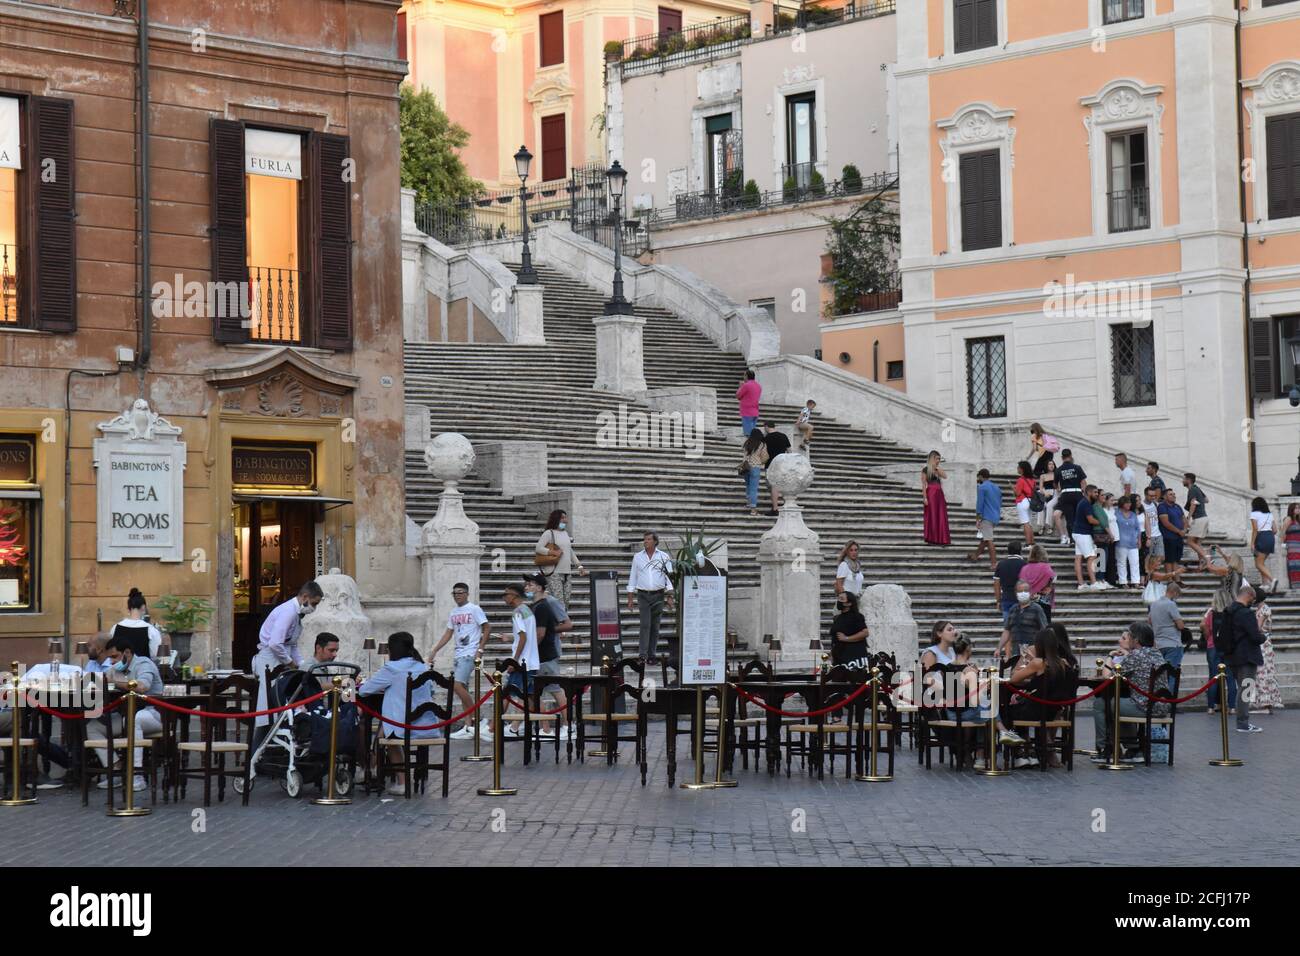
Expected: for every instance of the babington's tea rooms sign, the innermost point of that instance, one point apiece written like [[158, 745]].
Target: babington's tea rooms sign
[[140, 465]]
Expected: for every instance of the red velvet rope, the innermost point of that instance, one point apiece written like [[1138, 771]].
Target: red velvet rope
[[240, 715], [1173, 700], [1062, 703], [108, 709], [450, 720], [801, 713], [543, 713]]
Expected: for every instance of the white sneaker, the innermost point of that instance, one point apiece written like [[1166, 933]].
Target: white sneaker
[[509, 731], [566, 732], [1085, 587], [1021, 762], [1065, 540], [103, 783], [465, 733], [1101, 586], [397, 789], [1009, 737], [140, 784], [1250, 729], [485, 727]]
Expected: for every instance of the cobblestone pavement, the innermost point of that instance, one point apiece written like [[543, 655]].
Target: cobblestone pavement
[[591, 814]]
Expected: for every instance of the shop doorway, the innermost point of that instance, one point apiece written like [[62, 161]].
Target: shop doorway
[[274, 555]]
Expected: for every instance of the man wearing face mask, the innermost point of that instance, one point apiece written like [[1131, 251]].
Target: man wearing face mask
[[130, 664], [1023, 623], [277, 641]]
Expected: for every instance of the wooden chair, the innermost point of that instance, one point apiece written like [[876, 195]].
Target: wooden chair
[[1051, 734], [938, 731], [111, 751], [235, 695], [1172, 677], [410, 755], [820, 736], [610, 720], [755, 722], [26, 751]]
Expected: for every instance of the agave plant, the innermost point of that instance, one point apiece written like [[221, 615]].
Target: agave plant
[[690, 558]]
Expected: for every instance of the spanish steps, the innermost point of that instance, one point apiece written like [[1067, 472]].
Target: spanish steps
[[506, 392]]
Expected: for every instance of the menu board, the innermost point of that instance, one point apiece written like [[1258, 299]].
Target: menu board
[[605, 607], [704, 630]]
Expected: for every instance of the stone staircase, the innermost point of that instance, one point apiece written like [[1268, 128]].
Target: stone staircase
[[503, 392]]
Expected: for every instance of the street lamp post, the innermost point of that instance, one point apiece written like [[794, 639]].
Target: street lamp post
[[523, 161], [617, 176], [1294, 397]]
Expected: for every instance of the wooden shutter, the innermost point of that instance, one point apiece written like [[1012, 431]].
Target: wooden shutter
[[52, 252], [963, 25], [401, 34], [551, 28], [981, 200], [332, 245], [555, 162], [986, 23], [670, 21], [1282, 134], [229, 210], [1263, 364]]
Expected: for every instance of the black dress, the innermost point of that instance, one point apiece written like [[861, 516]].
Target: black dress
[[842, 652], [1046, 687]]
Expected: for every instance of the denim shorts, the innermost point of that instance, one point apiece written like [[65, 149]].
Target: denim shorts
[[1264, 542], [516, 679], [464, 671]]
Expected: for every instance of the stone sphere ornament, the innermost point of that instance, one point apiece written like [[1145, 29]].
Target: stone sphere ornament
[[449, 457], [791, 474]]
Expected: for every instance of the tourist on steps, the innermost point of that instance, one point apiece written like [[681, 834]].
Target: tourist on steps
[[747, 396], [848, 572], [555, 552], [777, 444], [1262, 541], [988, 512], [755, 458], [1026, 488], [935, 525], [804, 426], [649, 589]]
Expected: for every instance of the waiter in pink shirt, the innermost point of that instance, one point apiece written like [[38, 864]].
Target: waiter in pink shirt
[[747, 395]]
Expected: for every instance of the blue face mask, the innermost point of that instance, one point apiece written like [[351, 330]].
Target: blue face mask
[[563, 525], [120, 667]]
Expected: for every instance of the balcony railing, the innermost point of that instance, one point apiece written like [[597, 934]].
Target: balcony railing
[[814, 16], [275, 305], [658, 51], [495, 213], [709, 204], [1130, 209], [8, 284]]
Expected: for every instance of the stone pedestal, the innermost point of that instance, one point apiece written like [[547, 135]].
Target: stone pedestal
[[529, 328], [890, 625], [449, 542], [417, 426], [696, 401], [789, 559], [340, 613], [413, 615], [593, 512], [513, 468], [620, 364]]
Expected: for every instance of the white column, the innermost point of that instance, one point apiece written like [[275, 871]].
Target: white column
[[620, 366], [789, 559]]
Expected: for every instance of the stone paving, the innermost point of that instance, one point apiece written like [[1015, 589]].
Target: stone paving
[[594, 815]]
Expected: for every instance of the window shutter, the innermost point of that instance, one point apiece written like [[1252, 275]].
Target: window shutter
[[228, 239], [971, 194], [991, 207], [1262, 362], [332, 252], [555, 159], [963, 25], [986, 23], [53, 250], [551, 28], [1278, 162], [1292, 172], [981, 200]]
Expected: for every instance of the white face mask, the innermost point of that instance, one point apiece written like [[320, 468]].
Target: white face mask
[[1022, 596], [563, 525], [305, 609]]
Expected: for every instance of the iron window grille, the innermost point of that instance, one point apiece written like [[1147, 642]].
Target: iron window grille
[[1133, 365], [986, 377], [1118, 11]]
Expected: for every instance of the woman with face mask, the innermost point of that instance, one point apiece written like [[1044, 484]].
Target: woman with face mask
[[555, 557], [848, 630], [131, 662]]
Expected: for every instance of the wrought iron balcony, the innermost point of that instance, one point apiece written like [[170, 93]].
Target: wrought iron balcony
[[275, 305], [1130, 209]]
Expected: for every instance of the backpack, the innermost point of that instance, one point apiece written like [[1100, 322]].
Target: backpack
[[1225, 633], [1051, 443]]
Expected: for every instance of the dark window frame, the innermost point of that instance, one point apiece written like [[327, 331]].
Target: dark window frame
[[1122, 11], [791, 101], [994, 349], [545, 22], [977, 210], [1137, 365], [891, 366], [1129, 210], [1282, 159], [984, 27], [543, 123], [34, 553]]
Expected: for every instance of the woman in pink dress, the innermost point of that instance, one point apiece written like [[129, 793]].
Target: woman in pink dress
[[936, 505]]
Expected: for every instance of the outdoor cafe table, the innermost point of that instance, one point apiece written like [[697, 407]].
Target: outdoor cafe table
[[808, 688]]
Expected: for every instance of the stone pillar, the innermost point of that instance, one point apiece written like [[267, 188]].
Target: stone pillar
[[449, 542], [529, 326], [340, 613], [890, 626], [417, 426], [620, 366], [789, 558]]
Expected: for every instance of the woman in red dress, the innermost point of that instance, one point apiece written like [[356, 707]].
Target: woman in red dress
[[936, 505]]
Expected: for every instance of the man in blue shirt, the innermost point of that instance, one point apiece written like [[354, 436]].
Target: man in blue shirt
[[988, 512], [1084, 548], [1173, 529]]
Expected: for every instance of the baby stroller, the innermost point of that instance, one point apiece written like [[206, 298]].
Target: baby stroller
[[296, 748]]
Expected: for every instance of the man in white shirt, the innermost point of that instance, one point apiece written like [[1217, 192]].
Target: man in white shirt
[[523, 627], [649, 587], [467, 623], [1127, 480], [277, 641]]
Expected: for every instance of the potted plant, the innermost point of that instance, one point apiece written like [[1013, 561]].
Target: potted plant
[[851, 179], [752, 195], [181, 618], [691, 557], [817, 184], [613, 51], [790, 189]]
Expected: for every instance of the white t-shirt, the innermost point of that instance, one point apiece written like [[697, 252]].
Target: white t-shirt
[[1126, 478], [1153, 518], [805, 415], [1263, 520], [466, 625], [852, 581], [523, 620], [155, 638]]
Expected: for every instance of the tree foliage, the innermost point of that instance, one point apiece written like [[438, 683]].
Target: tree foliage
[[431, 145], [863, 247]]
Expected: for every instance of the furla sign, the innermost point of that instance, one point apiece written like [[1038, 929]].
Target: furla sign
[[140, 481]]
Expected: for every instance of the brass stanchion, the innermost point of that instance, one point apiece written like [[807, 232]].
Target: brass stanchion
[[496, 790], [1225, 760], [718, 782], [1115, 763], [329, 800], [699, 783], [476, 756], [874, 776], [128, 785], [609, 712], [15, 740], [991, 748]]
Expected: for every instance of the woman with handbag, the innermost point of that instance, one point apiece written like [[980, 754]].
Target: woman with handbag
[[555, 558], [752, 467], [1026, 495]]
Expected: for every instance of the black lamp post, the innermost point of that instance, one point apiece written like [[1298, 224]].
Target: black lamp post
[[523, 162], [1294, 397], [617, 176]]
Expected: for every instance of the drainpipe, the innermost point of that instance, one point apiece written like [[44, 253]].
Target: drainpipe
[[1245, 248], [146, 326]]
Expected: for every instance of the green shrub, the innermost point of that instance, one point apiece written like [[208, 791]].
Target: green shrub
[[851, 178], [817, 184], [614, 47], [752, 195]]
